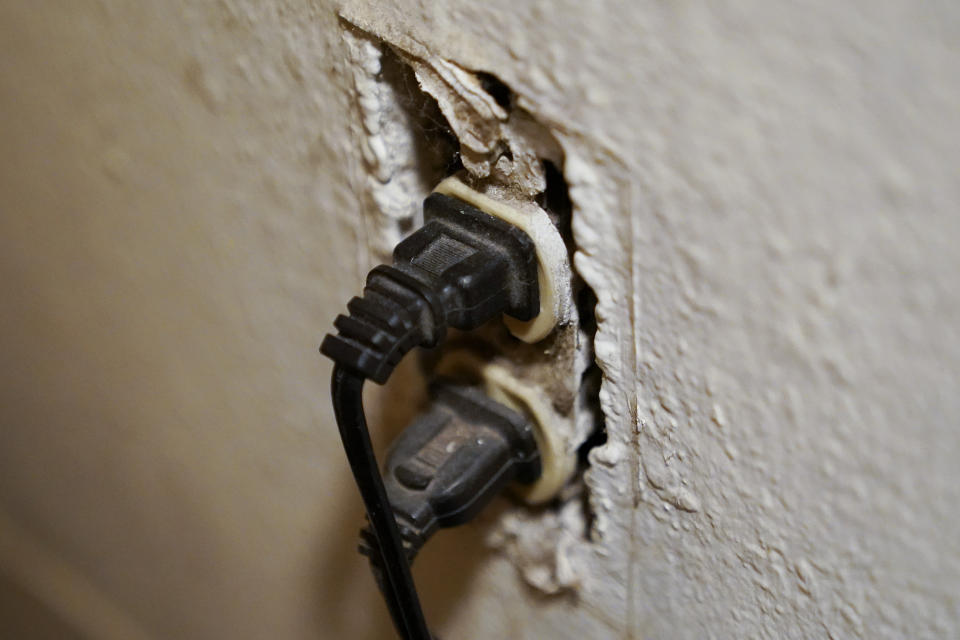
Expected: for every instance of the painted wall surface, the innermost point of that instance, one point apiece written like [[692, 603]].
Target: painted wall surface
[[765, 203]]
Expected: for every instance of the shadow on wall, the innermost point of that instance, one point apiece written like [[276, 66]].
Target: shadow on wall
[[24, 616]]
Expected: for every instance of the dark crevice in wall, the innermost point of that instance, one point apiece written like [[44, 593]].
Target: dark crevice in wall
[[497, 89], [556, 201], [592, 377]]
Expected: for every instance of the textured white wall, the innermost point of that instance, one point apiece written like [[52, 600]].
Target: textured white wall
[[177, 232], [765, 204]]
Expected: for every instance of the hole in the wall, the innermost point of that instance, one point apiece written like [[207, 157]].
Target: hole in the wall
[[591, 378], [497, 89], [555, 200], [431, 152]]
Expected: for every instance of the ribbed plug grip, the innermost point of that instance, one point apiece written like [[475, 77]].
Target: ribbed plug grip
[[460, 269]]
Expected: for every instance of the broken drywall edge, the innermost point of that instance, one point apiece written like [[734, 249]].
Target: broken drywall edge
[[485, 129], [387, 148]]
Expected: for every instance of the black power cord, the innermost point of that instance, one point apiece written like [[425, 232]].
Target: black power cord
[[447, 465], [461, 269], [395, 579]]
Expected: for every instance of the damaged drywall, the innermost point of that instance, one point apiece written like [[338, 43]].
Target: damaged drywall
[[504, 152], [414, 135]]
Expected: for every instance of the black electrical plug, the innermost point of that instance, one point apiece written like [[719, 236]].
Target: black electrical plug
[[448, 464], [453, 459], [462, 268]]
